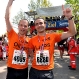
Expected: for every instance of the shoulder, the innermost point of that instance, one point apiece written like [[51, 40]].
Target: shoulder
[[11, 33], [34, 38]]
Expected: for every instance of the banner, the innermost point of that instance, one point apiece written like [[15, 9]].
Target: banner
[[51, 11], [57, 24]]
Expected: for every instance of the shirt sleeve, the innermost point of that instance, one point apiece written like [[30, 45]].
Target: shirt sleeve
[[10, 34], [58, 37]]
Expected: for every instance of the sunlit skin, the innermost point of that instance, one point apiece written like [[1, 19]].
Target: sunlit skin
[[40, 25], [23, 27]]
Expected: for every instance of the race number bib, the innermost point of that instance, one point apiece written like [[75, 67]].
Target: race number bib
[[18, 59], [42, 58]]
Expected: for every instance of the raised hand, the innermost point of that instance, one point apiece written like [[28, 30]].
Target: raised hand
[[67, 12]]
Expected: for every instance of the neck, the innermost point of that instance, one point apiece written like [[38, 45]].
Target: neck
[[21, 35], [41, 33]]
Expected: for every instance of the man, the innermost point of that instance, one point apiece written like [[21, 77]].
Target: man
[[18, 47], [73, 50], [43, 46], [61, 47]]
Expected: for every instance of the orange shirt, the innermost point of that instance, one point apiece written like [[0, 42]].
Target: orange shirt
[[44, 60], [17, 57]]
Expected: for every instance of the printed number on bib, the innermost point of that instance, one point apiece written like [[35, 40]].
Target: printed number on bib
[[18, 58], [42, 58]]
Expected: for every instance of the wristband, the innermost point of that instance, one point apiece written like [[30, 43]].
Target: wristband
[[71, 18]]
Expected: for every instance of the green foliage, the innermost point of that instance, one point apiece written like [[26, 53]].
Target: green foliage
[[75, 6], [32, 5], [38, 4], [20, 15], [45, 3]]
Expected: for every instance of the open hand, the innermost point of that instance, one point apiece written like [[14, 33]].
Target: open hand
[[67, 12]]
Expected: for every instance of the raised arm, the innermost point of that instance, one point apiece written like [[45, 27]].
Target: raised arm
[[72, 28], [7, 15]]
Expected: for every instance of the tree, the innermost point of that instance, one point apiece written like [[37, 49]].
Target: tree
[[75, 6], [38, 4], [32, 5], [45, 3], [20, 15]]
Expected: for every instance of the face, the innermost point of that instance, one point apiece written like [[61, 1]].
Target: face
[[40, 25], [23, 27]]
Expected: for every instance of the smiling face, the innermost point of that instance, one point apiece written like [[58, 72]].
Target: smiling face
[[40, 25], [23, 27]]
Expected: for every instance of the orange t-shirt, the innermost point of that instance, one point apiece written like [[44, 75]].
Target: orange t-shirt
[[44, 59], [18, 50]]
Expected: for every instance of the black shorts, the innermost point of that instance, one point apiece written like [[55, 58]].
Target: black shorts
[[41, 74], [17, 73]]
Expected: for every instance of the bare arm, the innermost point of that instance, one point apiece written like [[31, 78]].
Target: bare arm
[[72, 28], [7, 15]]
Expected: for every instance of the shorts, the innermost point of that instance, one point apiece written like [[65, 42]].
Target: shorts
[[17, 73], [61, 48], [4, 54], [41, 74]]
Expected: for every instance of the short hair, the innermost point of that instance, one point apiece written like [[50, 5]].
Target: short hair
[[24, 19], [39, 18]]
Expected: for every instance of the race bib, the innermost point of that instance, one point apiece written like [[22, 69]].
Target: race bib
[[18, 58], [42, 58]]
